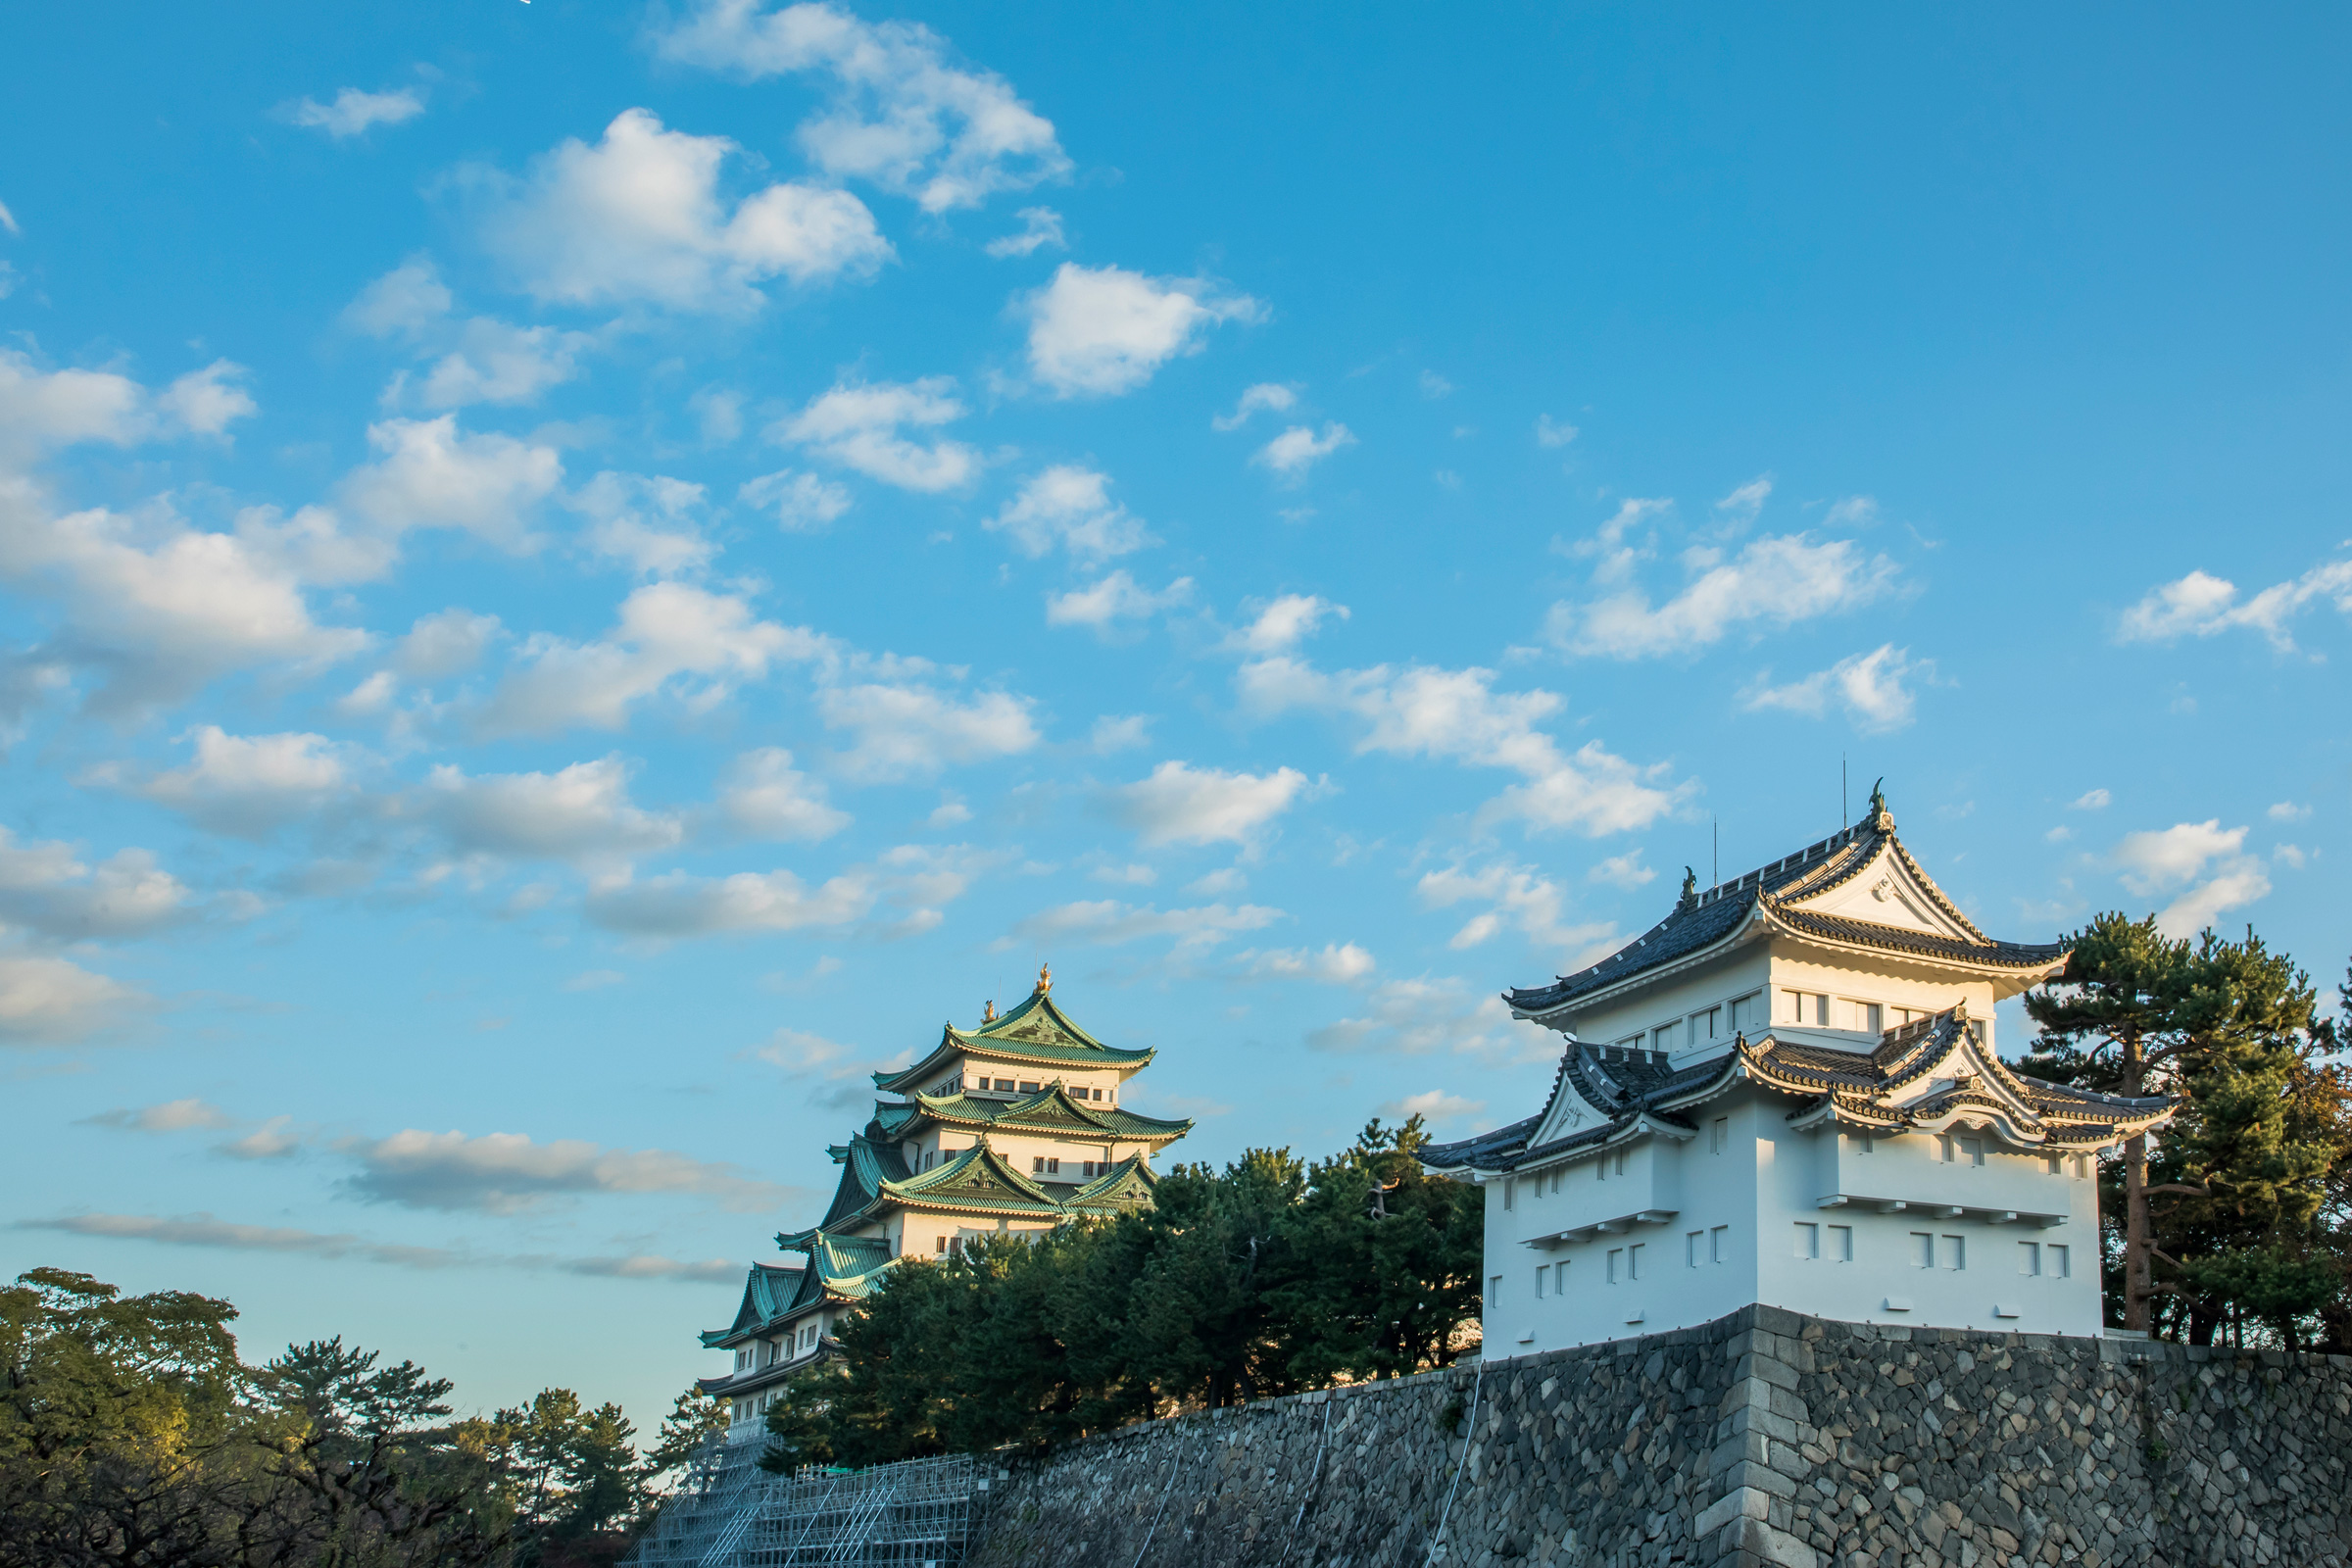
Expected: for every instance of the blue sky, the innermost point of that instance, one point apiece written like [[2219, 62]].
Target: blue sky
[[576, 577]]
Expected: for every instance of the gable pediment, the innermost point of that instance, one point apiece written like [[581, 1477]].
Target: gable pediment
[[1889, 891]]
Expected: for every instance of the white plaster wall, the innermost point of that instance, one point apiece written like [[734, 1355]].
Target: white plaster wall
[[1672, 1002]]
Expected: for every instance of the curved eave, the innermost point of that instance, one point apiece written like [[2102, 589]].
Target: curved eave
[[2012, 961], [1743, 930], [1019, 1052], [1072, 1118]]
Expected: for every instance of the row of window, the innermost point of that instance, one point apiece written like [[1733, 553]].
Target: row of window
[[1030, 1085], [1610, 1164], [1049, 1165], [1815, 1243], [1720, 1021]]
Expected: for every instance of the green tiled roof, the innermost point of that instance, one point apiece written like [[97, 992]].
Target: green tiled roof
[[977, 1178], [767, 1295], [1049, 1110], [1035, 1031]]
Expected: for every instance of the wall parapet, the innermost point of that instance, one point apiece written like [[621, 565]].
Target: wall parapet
[[1764, 1437]]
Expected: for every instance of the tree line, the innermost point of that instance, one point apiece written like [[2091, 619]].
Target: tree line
[[1271, 1276], [2231, 1223], [132, 1436]]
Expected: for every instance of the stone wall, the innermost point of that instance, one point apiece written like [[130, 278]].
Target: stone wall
[[1763, 1437]]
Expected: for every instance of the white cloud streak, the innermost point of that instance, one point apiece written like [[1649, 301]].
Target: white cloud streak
[[2201, 604], [354, 110], [1870, 687], [903, 114], [1070, 506], [858, 424], [639, 218], [1179, 803], [1103, 331]]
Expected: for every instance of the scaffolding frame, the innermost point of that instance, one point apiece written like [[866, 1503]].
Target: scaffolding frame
[[729, 1513]]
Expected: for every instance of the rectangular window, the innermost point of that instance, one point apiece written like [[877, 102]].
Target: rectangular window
[[1945, 1148], [1662, 1038], [1871, 1017], [1972, 1150], [1028, 1087], [1542, 1278], [941, 1247], [1493, 1287], [1840, 1242], [1630, 1043], [1719, 1135], [1510, 1192], [1693, 1244], [1052, 1167], [2028, 1257], [1719, 1244], [1632, 1260], [1808, 1239], [2054, 1261], [1620, 1161], [2054, 1165], [1953, 1253], [1616, 1261], [1922, 1249], [1005, 1085]]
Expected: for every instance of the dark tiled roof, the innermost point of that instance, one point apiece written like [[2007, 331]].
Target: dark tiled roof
[[1700, 919], [1866, 1086]]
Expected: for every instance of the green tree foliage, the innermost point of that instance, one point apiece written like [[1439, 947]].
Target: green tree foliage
[[1267, 1277], [131, 1436], [2227, 1215]]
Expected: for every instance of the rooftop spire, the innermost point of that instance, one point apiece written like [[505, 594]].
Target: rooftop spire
[[988, 1015], [1045, 979]]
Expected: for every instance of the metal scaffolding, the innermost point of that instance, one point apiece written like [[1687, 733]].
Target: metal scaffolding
[[729, 1513]]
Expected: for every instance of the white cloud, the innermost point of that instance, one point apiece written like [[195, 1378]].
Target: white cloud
[[2288, 811], [1108, 922], [8, 220], [1518, 895], [670, 637], [1179, 803], [45, 890], [803, 503], [171, 1116], [1852, 511], [2093, 801], [909, 731], [1420, 1016], [718, 413], [475, 360], [447, 642], [1746, 503], [1433, 1105], [1070, 506], [51, 1001], [1285, 622], [1125, 876], [2152, 861], [1272, 396], [2236, 882], [1552, 433], [1117, 597], [639, 216], [582, 813], [1103, 331], [814, 1059], [1434, 385], [45, 410], [1119, 733], [1868, 686], [202, 1230], [1216, 884], [206, 401], [902, 114], [2201, 604], [1455, 714], [433, 475], [1297, 448], [249, 786], [1337, 964], [645, 520], [1776, 581], [765, 796], [918, 880], [354, 111], [857, 426], [1622, 872], [1042, 226], [506, 1172]]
